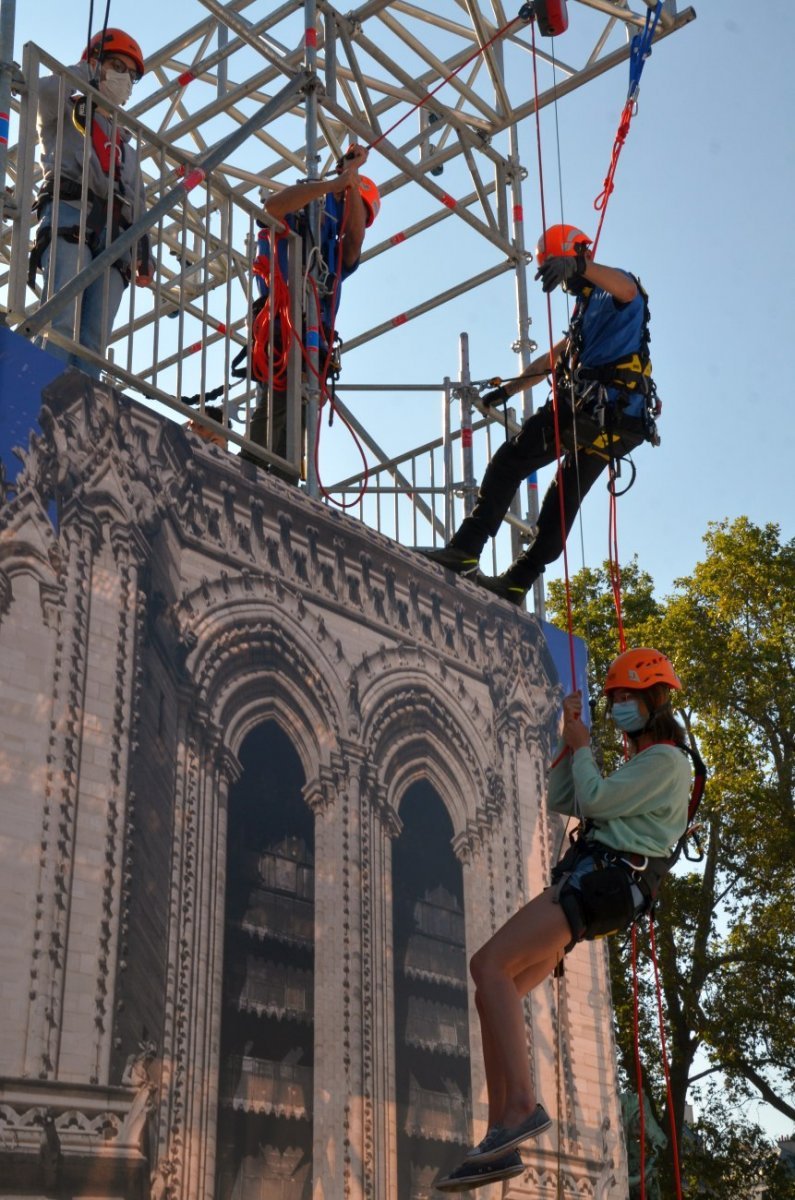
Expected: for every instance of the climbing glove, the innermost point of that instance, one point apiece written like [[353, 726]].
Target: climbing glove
[[498, 396], [560, 269]]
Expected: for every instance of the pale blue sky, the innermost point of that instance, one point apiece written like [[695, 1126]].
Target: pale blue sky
[[702, 211]]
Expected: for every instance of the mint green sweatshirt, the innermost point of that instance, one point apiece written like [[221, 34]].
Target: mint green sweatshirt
[[641, 807]]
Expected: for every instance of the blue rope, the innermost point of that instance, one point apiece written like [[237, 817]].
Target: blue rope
[[640, 49]]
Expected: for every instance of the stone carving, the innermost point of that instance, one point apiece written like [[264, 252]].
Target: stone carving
[[136, 1075], [160, 1181], [50, 1156]]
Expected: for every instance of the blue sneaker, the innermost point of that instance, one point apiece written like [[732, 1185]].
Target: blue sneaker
[[474, 1175], [499, 1141]]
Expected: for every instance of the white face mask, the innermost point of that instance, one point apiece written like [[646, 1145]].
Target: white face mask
[[116, 87]]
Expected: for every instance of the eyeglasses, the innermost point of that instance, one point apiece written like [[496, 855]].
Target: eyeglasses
[[120, 67]]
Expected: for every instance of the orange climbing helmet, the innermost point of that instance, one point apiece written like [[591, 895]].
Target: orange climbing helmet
[[640, 668], [560, 241], [115, 41], [370, 197]]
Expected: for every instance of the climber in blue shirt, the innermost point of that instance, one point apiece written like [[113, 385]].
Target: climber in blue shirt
[[606, 407]]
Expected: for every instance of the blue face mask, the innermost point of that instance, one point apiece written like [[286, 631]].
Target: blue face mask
[[626, 716]]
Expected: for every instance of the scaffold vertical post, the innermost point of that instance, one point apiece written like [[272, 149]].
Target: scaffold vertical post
[[330, 54], [25, 176], [447, 454], [524, 345], [465, 397], [313, 315], [7, 20], [294, 444]]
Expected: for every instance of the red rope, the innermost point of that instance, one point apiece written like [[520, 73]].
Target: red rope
[[555, 406], [480, 50], [669, 1093], [615, 561], [638, 1066], [325, 395], [278, 302], [600, 203]]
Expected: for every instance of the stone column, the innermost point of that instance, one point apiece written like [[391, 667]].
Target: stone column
[[380, 824], [106, 719], [195, 1004], [81, 535], [209, 975], [329, 798], [473, 850], [31, 644], [131, 552]]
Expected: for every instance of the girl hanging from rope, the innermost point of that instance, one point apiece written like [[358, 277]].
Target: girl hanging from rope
[[632, 824]]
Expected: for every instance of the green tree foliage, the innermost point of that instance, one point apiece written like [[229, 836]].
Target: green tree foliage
[[725, 929], [728, 1156]]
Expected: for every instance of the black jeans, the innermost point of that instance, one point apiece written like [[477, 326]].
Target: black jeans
[[533, 447]]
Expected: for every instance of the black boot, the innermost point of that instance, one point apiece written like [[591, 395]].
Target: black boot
[[460, 562]]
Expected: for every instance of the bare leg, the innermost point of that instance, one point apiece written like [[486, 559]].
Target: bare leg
[[519, 956], [495, 1084]]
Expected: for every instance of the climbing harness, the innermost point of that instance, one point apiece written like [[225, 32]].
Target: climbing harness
[[273, 305], [605, 903], [95, 227], [600, 420]]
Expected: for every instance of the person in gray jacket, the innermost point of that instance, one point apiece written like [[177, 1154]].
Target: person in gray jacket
[[88, 143]]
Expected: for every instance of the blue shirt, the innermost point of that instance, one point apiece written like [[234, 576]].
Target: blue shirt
[[612, 330]]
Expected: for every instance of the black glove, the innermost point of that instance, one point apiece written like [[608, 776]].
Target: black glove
[[560, 269], [556, 270], [498, 396]]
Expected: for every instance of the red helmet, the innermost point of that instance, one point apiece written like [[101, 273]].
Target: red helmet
[[115, 41], [560, 240], [371, 198], [640, 669]]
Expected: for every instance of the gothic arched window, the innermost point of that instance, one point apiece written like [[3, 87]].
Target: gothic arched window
[[432, 1077], [265, 1115]]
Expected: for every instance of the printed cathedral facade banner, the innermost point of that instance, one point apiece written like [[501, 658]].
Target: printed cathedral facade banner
[[267, 780]]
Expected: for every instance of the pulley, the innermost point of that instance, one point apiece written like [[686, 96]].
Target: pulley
[[551, 16]]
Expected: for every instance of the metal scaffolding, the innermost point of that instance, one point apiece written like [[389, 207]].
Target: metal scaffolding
[[257, 94]]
